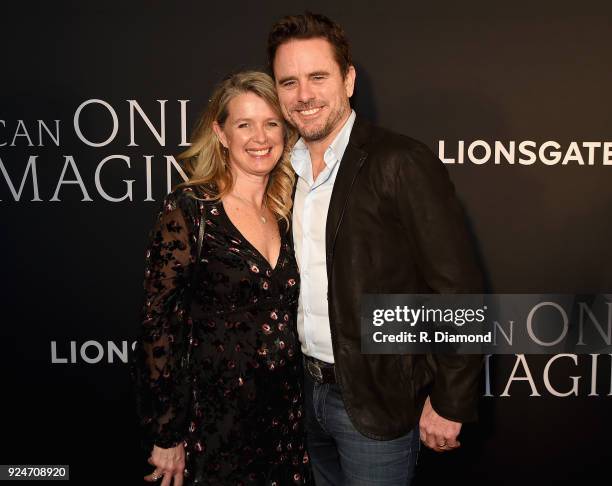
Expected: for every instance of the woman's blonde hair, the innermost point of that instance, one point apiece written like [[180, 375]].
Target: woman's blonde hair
[[206, 161]]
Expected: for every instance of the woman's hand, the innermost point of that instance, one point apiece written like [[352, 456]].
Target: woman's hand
[[169, 464]]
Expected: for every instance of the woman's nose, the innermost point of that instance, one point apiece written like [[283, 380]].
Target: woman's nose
[[260, 135]]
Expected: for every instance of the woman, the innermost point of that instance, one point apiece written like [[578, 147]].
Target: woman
[[226, 409]]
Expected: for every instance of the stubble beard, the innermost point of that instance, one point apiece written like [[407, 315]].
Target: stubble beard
[[316, 134]]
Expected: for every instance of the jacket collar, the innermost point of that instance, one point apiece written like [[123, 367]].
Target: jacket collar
[[352, 161]]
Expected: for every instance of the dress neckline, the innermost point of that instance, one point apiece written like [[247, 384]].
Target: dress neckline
[[251, 245]]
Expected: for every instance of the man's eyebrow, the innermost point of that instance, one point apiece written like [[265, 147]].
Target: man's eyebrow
[[310, 75], [285, 79]]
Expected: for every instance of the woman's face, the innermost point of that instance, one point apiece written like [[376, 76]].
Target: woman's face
[[253, 134]]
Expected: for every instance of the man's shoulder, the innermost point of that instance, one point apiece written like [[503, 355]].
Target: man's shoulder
[[389, 147], [386, 144]]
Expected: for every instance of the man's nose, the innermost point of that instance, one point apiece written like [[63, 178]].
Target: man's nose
[[305, 93]]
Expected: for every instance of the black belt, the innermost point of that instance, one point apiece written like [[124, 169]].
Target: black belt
[[320, 371]]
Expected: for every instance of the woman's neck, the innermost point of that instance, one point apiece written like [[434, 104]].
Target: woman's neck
[[250, 189]]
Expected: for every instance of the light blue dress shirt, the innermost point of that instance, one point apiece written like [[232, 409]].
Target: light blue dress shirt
[[310, 208]]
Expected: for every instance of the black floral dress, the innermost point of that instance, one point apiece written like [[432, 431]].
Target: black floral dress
[[237, 405]]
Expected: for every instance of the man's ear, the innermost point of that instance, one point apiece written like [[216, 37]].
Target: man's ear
[[220, 135], [349, 81]]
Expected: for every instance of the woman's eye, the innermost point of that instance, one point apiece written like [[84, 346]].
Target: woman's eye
[[274, 124]]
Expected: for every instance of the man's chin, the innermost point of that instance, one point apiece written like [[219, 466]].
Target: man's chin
[[312, 134]]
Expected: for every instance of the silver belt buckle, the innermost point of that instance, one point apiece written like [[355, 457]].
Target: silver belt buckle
[[314, 370]]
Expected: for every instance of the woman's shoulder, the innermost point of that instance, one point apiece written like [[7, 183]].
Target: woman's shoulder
[[187, 197], [203, 192]]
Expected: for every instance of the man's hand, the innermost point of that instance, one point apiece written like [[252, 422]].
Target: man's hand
[[169, 465], [438, 433]]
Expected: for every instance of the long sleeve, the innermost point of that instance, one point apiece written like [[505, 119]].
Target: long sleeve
[[161, 385], [431, 212]]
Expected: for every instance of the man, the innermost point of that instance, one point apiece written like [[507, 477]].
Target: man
[[374, 212]]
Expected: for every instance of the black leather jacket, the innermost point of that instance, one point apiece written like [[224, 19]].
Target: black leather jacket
[[394, 225]]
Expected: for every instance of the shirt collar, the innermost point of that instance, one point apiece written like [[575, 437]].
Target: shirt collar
[[300, 156]]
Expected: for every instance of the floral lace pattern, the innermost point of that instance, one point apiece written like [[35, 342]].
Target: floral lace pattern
[[237, 406]]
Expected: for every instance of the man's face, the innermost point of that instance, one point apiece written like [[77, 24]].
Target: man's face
[[313, 93]]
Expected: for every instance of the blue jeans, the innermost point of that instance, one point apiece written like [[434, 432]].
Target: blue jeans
[[342, 456]]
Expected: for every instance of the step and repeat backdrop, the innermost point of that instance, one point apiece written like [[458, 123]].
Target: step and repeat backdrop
[[98, 98]]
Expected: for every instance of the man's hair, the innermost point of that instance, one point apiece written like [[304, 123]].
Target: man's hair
[[310, 26]]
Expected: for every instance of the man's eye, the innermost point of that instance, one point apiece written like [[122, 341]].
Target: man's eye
[[243, 125], [288, 84], [319, 78]]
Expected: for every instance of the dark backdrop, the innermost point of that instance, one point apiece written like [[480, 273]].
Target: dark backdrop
[[72, 268]]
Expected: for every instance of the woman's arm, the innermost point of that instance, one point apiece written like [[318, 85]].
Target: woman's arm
[[163, 393]]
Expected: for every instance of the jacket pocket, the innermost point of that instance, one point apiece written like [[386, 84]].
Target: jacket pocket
[[404, 364], [422, 373]]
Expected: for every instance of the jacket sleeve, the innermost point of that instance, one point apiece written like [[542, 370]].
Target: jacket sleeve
[[161, 387], [432, 214]]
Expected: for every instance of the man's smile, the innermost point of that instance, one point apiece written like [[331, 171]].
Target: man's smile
[[309, 112]]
